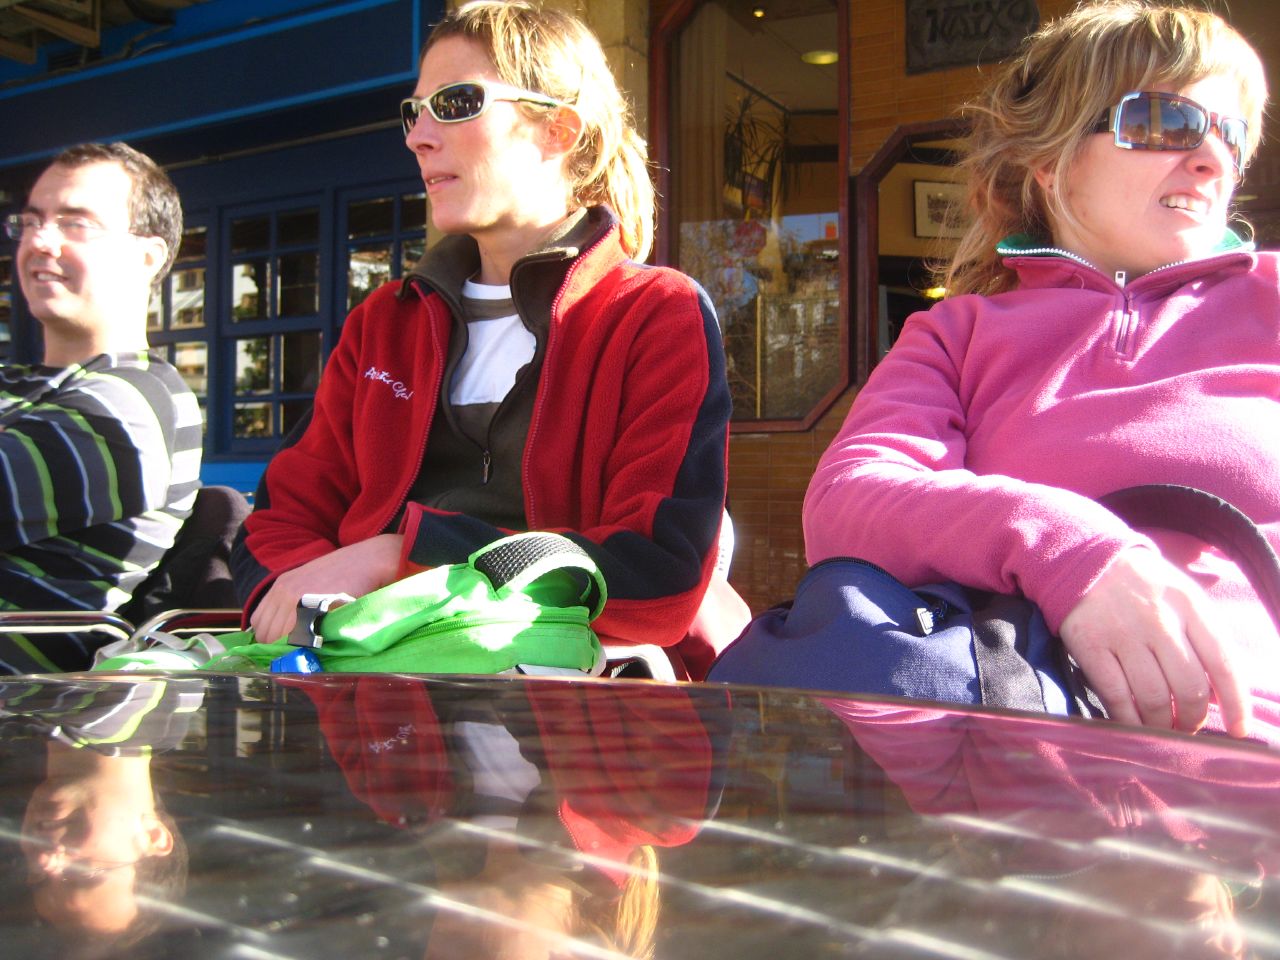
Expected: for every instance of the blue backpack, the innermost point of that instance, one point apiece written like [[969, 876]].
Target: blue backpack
[[854, 628]]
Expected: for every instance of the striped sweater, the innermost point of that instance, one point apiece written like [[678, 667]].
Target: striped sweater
[[99, 465], [113, 717]]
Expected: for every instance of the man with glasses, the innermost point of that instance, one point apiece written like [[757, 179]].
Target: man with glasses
[[96, 838], [99, 444]]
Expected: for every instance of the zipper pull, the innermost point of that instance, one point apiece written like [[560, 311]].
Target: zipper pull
[[1121, 277], [487, 460]]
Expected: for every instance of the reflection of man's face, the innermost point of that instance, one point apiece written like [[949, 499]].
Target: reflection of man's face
[[84, 830]]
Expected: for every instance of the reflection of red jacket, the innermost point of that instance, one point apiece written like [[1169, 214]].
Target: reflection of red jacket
[[1076, 781], [629, 765], [625, 452]]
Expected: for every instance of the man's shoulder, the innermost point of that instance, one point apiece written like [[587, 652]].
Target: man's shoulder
[[132, 388], [143, 374], [134, 366], [20, 377]]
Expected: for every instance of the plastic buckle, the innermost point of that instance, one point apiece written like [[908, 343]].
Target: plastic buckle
[[300, 660], [304, 632], [311, 610]]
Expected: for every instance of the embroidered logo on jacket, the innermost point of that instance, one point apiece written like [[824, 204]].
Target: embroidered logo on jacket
[[383, 376]]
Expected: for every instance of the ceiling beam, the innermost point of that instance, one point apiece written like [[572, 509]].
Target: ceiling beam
[[86, 36], [17, 51], [83, 7]]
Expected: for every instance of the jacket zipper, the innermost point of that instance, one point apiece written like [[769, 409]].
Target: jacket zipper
[[530, 513], [1128, 326], [1124, 336]]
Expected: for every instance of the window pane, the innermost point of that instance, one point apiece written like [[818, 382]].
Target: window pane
[[413, 212], [411, 252], [369, 218], [252, 420], [301, 226], [6, 303], [291, 411], [250, 283], [252, 233], [369, 268], [155, 311], [192, 360], [756, 193], [300, 371], [186, 297], [801, 354], [299, 289], [253, 365], [194, 244]]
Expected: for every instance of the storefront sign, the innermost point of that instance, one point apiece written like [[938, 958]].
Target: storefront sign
[[954, 33]]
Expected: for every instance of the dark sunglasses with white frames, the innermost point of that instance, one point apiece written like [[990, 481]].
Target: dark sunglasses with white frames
[[1155, 120], [466, 100]]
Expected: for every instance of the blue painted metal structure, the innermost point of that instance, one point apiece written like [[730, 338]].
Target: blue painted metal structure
[[244, 102]]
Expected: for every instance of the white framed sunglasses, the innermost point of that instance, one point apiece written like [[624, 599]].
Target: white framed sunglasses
[[466, 100]]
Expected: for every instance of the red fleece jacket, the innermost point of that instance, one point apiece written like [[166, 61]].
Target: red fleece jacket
[[625, 452]]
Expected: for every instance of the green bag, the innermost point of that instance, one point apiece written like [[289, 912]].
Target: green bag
[[524, 603]]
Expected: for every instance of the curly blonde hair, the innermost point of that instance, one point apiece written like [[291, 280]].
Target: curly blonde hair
[[1039, 109]]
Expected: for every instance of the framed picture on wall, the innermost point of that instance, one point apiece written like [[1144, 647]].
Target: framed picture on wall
[[939, 209]]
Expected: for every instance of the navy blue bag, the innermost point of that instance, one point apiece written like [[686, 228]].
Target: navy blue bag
[[854, 628]]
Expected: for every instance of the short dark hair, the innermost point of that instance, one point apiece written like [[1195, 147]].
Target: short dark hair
[[155, 209]]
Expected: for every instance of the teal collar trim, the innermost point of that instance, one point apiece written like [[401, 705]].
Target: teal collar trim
[[1026, 245]]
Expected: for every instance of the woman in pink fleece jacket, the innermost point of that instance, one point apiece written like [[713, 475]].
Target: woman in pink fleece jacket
[[1119, 334]]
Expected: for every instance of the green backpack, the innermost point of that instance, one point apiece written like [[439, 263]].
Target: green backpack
[[523, 603]]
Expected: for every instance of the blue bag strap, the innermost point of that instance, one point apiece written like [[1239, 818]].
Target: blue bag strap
[[1006, 677]]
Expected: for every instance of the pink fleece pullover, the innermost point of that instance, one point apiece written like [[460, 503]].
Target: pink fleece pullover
[[974, 449]]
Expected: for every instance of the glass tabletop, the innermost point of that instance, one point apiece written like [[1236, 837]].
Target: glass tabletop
[[395, 816]]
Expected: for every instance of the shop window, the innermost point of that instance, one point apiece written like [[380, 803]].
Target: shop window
[[756, 187]]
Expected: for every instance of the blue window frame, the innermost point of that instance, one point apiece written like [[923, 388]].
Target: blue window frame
[[384, 235], [178, 325], [257, 296], [271, 324]]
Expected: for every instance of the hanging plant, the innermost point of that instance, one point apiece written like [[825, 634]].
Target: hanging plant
[[755, 143]]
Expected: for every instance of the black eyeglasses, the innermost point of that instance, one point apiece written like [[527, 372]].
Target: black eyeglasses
[[456, 102], [1152, 120]]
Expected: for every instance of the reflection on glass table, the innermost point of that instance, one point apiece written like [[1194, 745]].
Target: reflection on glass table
[[393, 816]]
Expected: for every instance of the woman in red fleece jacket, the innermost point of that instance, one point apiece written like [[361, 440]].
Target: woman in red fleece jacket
[[1119, 334], [529, 373]]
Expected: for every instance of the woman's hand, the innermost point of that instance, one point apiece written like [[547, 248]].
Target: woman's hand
[[1145, 637], [356, 569]]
